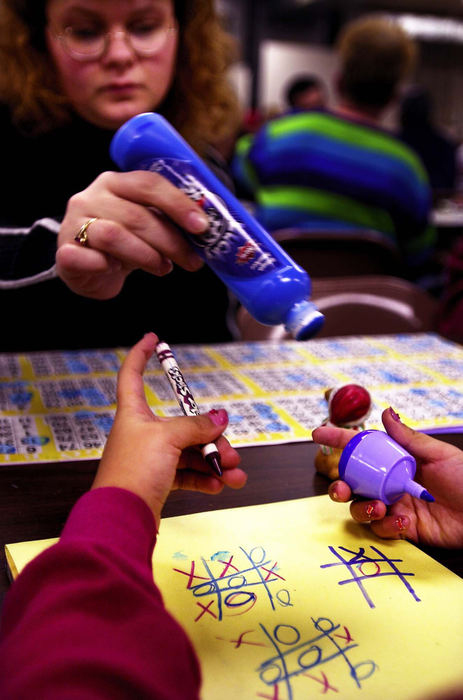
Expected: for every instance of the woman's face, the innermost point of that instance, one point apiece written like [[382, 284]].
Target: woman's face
[[124, 80]]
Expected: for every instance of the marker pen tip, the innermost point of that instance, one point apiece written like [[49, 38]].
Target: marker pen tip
[[426, 496], [214, 461]]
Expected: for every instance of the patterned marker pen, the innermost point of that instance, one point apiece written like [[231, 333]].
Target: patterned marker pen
[[185, 399]]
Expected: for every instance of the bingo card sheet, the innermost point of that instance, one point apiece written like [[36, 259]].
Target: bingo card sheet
[[61, 405]]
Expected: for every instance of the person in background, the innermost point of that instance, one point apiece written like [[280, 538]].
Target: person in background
[[85, 618], [339, 169], [305, 92], [450, 310], [439, 470], [73, 71], [437, 151]]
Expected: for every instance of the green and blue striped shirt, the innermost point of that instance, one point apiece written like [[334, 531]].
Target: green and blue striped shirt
[[318, 170]]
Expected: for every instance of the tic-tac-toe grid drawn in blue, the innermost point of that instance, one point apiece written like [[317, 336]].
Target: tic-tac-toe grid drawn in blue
[[368, 567], [297, 653]]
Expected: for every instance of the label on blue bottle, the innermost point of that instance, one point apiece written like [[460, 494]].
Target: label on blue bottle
[[226, 245]]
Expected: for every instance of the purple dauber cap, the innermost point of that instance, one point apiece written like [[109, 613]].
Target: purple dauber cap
[[376, 466]]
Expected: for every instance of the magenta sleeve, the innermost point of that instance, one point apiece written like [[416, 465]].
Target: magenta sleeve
[[85, 619]]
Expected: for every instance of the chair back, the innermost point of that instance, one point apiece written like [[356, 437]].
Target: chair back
[[339, 253], [365, 305]]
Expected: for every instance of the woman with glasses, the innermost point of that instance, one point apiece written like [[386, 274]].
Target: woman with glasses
[[73, 71]]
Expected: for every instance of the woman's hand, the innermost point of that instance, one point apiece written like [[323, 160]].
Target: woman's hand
[[149, 455], [439, 470], [136, 218]]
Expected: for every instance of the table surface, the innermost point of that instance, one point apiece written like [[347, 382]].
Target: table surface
[[447, 217], [35, 499]]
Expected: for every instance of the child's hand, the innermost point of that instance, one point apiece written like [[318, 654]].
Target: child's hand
[[150, 455], [439, 470]]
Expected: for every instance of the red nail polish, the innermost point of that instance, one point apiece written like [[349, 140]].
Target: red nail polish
[[218, 417], [395, 416]]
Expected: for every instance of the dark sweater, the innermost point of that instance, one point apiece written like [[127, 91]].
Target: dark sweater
[[39, 312]]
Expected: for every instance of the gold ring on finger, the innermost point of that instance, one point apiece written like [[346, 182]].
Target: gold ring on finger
[[82, 235]]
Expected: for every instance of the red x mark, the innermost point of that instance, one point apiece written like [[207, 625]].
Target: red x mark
[[271, 571], [324, 681], [275, 695], [347, 636], [227, 566], [205, 608], [238, 642], [191, 575]]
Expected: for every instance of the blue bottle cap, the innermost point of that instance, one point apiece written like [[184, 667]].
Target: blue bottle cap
[[304, 320]]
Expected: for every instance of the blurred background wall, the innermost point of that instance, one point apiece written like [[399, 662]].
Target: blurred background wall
[[277, 38]]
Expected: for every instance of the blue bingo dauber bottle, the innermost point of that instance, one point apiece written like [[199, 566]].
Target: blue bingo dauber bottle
[[263, 277]]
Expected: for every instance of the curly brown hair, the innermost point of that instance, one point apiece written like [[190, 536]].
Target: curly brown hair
[[201, 104], [376, 54]]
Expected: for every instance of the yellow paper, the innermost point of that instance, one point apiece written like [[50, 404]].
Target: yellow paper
[[261, 597], [21, 553], [293, 600]]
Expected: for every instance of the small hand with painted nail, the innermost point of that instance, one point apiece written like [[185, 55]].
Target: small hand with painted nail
[[151, 455], [439, 470]]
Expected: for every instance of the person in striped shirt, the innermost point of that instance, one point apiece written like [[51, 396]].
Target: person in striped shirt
[[340, 169]]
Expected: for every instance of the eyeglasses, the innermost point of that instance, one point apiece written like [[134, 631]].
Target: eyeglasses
[[90, 44]]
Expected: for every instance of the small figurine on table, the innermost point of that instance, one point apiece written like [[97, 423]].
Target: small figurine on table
[[349, 406]]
